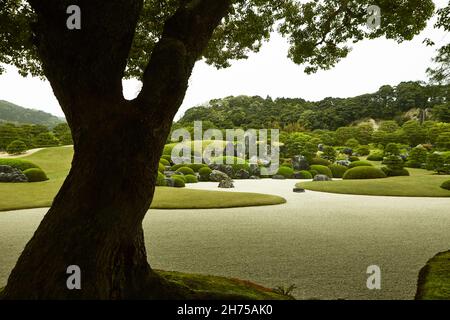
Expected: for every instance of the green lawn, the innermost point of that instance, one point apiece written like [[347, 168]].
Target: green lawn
[[434, 279], [56, 163], [419, 184]]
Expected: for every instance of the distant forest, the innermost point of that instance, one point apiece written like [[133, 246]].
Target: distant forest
[[408, 100]]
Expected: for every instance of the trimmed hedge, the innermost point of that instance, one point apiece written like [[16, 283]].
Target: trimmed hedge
[[395, 172], [197, 166], [204, 173], [446, 185], [178, 182], [182, 177], [376, 156], [363, 150], [161, 167], [322, 170], [35, 175], [164, 162], [20, 164], [360, 164], [364, 172], [186, 171], [320, 161], [160, 180], [313, 173], [167, 158], [353, 159], [234, 162], [16, 147], [285, 172], [338, 170], [305, 174], [190, 178]]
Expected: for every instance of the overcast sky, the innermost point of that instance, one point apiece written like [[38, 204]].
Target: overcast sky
[[371, 64]]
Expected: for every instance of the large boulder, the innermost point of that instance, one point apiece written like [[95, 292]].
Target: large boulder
[[242, 174], [217, 176], [344, 163], [300, 163], [169, 182], [226, 184], [254, 170], [225, 168], [321, 177], [10, 174]]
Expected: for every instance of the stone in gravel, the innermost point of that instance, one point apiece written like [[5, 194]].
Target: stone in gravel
[[278, 177], [321, 177], [226, 184], [217, 176], [299, 190], [242, 174]]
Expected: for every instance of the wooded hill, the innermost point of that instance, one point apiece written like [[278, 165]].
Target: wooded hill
[[408, 100], [10, 112]]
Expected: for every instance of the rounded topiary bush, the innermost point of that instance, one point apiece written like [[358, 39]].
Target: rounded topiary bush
[[197, 166], [363, 150], [16, 147], [304, 174], [204, 173], [364, 172], [285, 172], [395, 172], [161, 167], [446, 185], [360, 164], [182, 177], [322, 170], [160, 180], [167, 158], [178, 182], [337, 170], [190, 178], [320, 161], [164, 162], [353, 159], [20, 164], [186, 171], [376, 156], [313, 173], [35, 175]]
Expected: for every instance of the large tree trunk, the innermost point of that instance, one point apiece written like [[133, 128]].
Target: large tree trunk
[[95, 221]]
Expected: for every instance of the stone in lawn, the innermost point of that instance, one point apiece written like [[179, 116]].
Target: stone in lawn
[[321, 177], [10, 174], [217, 176], [226, 184], [242, 174]]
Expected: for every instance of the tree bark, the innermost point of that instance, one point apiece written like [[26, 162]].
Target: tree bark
[[95, 221]]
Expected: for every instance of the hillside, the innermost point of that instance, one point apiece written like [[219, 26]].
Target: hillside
[[10, 112], [406, 101]]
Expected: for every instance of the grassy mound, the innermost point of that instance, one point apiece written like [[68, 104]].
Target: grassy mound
[[424, 185], [56, 163], [205, 287], [434, 279]]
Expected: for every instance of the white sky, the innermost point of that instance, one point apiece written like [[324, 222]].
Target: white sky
[[371, 64]]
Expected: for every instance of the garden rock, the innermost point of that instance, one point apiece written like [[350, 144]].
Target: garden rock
[[278, 177], [345, 163], [217, 176], [299, 190], [242, 174], [10, 174], [299, 163], [322, 177], [170, 173], [226, 184], [169, 182], [254, 170], [255, 178]]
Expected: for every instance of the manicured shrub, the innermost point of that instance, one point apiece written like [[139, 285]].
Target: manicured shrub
[[353, 158], [161, 167], [197, 166], [359, 164], [190, 178], [164, 162], [320, 161], [392, 149], [178, 182], [338, 170], [204, 173], [167, 158], [285, 172], [322, 170], [329, 153], [175, 167], [376, 156], [186, 171], [352, 143], [417, 157], [435, 162], [363, 150], [364, 173], [160, 180], [287, 164], [16, 147], [313, 173], [182, 177], [304, 174], [35, 175], [20, 164], [446, 185], [235, 162], [395, 172]]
